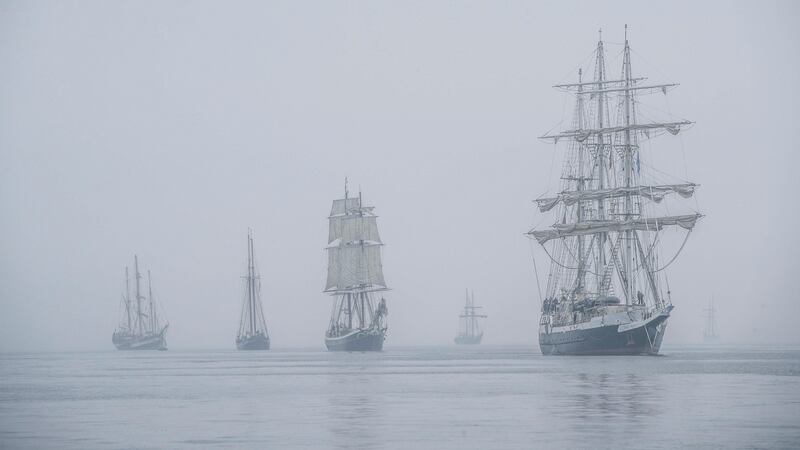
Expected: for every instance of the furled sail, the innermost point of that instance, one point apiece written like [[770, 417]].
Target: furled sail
[[583, 134], [354, 266], [604, 226], [654, 193]]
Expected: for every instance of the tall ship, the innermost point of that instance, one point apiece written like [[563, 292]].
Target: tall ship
[[252, 333], [469, 330], [355, 277], [710, 335], [140, 327], [605, 292]]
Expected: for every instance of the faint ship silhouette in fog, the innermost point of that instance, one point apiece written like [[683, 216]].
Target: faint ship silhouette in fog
[[710, 335], [469, 331], [140, 328]]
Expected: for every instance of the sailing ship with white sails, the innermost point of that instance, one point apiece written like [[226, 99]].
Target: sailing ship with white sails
[[470, 332], [355, 276], [252, 334], [606, 285], [140, 327]]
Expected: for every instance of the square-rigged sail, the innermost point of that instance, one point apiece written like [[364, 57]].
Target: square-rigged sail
[[354, 256]]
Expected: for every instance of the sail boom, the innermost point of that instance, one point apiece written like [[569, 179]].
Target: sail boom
[[605, 226], [662, 87], [581, 135], [655, 193], [356, 290], [592, 83]]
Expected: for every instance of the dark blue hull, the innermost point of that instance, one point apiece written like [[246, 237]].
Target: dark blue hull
[[606, 340], [359, 341]]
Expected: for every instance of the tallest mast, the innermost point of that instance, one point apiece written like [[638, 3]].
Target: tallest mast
[[251, 303], [580, 281], [128, 298], [138, 295], [628, 167], [601, 170]]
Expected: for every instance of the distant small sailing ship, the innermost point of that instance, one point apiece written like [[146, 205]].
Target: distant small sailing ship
[[469, 332], [252, 333], [710, 335], [140, 328], [358, 320]]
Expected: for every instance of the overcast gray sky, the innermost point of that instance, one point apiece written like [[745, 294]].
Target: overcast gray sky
[[168, 128]]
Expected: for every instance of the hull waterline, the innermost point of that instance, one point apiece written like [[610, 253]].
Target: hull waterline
[[258, 342], [152, 342], [643, 339], [468, 340], [357, 341]]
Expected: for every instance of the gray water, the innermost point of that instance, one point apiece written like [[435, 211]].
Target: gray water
[[427, 397]]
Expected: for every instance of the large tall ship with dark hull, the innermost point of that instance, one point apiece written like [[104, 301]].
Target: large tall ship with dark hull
[[605, 291], [469, 329], [355, 277], [140, 327], [252, 334]]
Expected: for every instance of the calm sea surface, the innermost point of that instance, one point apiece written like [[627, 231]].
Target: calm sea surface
[[426, 397]]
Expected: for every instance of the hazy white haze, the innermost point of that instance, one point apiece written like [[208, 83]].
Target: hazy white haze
[[166, 129]]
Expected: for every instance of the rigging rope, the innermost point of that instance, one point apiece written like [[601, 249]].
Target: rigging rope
[[566, 267], [676, 254], [536, 273]]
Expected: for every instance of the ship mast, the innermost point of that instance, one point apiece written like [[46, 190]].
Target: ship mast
[[601, 170], [139, 324], [469, 315], [602, 193], [711, 325], [251, 304], [581, 180], [153, 319], [348, 295], [362, 295], [474, 318], [628, 280], [128, 299]]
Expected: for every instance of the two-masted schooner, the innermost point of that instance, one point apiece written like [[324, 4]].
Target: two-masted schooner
[[469, 330], [355, 274], [605, 290], [252, 333], [140, 328]]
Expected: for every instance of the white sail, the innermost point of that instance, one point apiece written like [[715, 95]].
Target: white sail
[[655, 193], [605, 226], [344, 205], [354, 267], [346, 229]]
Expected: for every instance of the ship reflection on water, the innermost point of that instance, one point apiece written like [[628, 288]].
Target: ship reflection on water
[[443, 398], [607, 396], [355, 411]]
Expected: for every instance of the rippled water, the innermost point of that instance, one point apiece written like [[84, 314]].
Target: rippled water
[[427, 397]]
